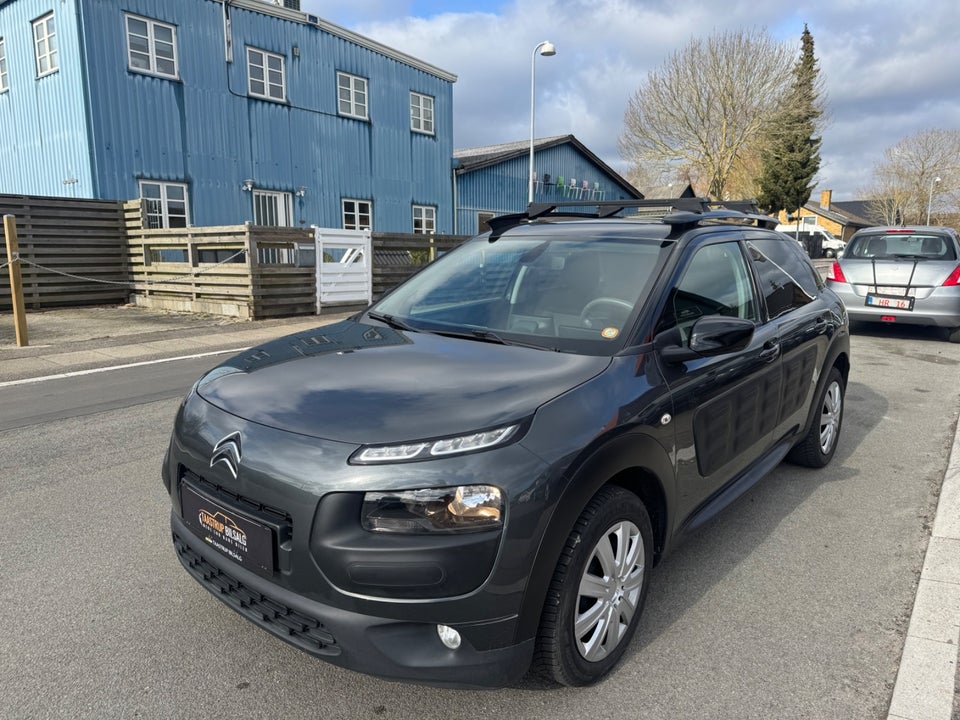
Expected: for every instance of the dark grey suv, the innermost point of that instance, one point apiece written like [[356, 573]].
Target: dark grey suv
[[478, 473]]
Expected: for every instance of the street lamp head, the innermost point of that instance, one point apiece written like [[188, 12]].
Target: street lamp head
[[547, 48]]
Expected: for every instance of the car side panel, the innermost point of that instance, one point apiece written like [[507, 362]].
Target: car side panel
[[725, 412], [630, 442]]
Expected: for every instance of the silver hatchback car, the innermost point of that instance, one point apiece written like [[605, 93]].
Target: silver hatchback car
[[905, 275]]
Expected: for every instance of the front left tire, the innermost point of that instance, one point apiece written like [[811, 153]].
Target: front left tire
[[598, 590]]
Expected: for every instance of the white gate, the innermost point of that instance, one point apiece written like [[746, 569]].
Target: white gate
[[344, 266]]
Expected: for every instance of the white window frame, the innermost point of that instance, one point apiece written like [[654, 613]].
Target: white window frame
[[421, 113], [282, 206], [356, 213], [4, 77], [164, 199], [356, 104], [427, 217], [151, 41], [45, 45], [265, 75]]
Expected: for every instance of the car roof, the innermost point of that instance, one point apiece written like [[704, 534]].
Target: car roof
[[669, 218], [905, 229]]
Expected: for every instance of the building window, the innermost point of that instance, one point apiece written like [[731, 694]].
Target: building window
[[483, 219], [421, 113], [352, 96], [357, 214], [424, 219], [166, 204], [4, 79], [45, 45], [266, 75], [151, 47], [272, 208]]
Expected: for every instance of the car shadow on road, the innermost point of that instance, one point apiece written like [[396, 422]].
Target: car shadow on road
[[918, 333]]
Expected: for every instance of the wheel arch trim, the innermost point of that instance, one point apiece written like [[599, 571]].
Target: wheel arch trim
[[635, 462]]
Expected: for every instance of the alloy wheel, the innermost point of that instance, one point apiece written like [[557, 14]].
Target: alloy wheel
[[609, 591], [830, 417]]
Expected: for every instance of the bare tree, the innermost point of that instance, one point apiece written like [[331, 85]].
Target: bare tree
[[706, 104], [905, 182]]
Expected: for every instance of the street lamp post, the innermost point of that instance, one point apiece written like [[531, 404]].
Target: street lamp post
[[546, 49], [930, 197]]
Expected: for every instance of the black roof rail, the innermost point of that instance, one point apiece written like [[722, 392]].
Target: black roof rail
[[684, 220], [678, 212]]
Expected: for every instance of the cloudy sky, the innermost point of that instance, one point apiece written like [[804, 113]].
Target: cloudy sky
[[891, 68]]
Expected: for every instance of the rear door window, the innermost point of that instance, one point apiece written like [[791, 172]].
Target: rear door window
[[787, 280]]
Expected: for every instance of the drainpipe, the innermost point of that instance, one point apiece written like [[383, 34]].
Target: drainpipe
[[227, 34], [92, 168], [455, 198]]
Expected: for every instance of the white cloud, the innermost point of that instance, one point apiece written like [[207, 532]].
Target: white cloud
[[889, 67]]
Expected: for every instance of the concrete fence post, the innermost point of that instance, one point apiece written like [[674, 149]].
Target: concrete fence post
[[16, 280]]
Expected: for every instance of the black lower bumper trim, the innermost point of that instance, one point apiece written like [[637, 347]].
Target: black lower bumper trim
[[384, 647], [296, 628]]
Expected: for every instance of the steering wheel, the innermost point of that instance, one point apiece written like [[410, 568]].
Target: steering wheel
[[614, 312]]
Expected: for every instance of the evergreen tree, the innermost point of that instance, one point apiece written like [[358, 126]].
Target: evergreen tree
[[791, 154]]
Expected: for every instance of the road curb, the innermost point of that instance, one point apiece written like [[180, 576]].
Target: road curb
[[926, 681]]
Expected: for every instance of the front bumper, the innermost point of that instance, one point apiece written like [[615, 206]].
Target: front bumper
[[388, 648]]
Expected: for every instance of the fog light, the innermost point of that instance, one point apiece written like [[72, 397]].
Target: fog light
[[448, 636]]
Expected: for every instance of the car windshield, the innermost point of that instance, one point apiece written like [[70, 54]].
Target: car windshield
[[917, 244], [561, 293]]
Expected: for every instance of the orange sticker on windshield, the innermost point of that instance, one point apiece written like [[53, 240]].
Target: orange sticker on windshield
[[610, 332]]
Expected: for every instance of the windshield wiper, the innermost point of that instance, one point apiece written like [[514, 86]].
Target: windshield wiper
[[488, 336], [394, 322]]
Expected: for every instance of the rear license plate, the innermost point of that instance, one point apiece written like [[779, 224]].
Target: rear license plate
[[241, 539], [894, 303]]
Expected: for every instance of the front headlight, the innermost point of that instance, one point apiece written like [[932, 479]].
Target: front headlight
[[442, 447], [466, 508]]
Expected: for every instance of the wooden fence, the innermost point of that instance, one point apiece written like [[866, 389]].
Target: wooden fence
[[244, 271], [82, 238], [398, 256]]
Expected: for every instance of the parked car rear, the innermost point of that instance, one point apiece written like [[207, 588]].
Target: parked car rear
[[903, 275]]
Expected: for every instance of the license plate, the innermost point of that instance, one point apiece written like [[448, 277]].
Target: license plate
[[243, 540], [893, 303], [891, 291]]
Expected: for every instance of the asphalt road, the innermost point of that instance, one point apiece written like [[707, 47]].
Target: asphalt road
[[792, 604]]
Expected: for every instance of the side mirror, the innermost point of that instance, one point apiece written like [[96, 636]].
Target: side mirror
[[711, 335]]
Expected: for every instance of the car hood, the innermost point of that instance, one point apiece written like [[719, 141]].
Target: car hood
[[368, 384]]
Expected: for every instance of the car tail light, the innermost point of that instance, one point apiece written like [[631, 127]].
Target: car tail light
[[900, 232], [953, 279], [836, 274]]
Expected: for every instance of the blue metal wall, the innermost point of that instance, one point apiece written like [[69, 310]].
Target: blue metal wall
[[44, 139], [502, 188], [204, 131]]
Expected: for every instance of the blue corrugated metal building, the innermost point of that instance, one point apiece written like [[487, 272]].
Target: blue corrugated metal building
[[222, 111], [492, 180]]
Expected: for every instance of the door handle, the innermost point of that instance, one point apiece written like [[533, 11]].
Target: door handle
[[770, 351]]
